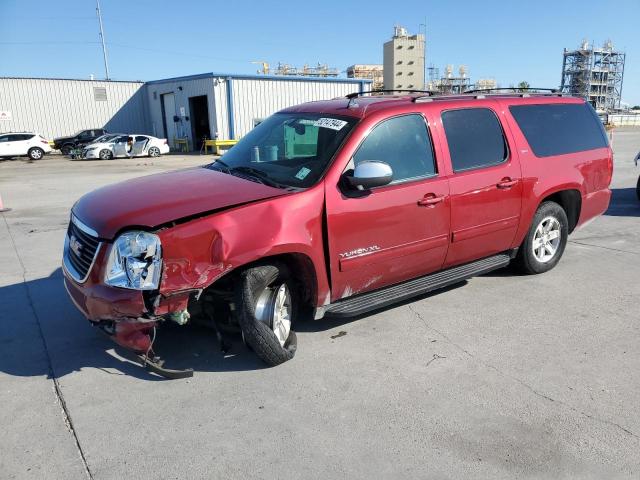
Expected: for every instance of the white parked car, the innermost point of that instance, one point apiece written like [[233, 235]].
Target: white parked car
[[23, 144], [126, 146]]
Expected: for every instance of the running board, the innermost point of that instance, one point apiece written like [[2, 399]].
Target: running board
[[359, 304]]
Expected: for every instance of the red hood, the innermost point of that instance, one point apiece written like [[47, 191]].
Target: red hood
[[157, 199]]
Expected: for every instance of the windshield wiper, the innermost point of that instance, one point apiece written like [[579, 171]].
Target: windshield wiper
[[222, 164], [259, 175]]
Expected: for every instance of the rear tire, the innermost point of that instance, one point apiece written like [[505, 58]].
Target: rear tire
[[154, 152], [35, 153], [105, 154], [545, 241], [267, 305]]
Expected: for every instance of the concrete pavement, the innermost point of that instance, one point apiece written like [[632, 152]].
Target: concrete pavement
[[502, 377]]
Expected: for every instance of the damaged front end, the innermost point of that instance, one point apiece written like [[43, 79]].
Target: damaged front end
[[121, 296]]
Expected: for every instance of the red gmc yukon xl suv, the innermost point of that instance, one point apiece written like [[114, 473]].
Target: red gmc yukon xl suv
[[338, 208]]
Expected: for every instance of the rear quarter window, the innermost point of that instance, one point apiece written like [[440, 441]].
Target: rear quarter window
[[558, 129]]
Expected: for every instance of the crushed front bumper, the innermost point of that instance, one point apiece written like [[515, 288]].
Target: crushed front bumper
[[123, 315]]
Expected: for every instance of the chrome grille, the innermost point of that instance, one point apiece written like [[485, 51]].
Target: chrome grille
[[80, 248]]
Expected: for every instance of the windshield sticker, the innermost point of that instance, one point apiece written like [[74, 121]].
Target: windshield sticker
[[332, 123], [302, 173]]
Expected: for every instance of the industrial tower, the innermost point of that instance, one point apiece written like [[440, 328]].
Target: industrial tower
[[594, 74]]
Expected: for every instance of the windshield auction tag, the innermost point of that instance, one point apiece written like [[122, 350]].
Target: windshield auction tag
[[302, 173], [332, 123]]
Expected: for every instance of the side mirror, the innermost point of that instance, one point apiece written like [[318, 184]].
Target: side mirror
[[370, 174]]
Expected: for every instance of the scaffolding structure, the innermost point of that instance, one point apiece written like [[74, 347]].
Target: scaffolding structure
[[594, 74], [449, 83], [373, 72], [320, 70]]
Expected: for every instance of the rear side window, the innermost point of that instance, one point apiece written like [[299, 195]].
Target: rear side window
[[475, 138], [402, 142], [557, 129]]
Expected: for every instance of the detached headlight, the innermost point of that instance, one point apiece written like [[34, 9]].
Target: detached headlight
[[135, 261]]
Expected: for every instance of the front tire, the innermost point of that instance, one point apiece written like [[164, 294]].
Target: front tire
[[66, 149], [267, 305], [638, 189], [35, 153], [154, 152], [545, 241], [105, 154]]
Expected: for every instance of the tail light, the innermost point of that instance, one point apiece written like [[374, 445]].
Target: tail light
[[610, 166], [165, 141]]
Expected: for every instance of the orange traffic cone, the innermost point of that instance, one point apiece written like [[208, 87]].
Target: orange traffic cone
[[2, 207]]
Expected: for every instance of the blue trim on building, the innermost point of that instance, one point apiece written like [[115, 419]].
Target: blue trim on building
[[232, 118], [287, 78]]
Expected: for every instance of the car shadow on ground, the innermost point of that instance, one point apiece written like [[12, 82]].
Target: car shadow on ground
[[624, 203], [41, 309]]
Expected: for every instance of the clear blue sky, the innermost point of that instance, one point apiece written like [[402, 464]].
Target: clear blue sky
[[152, 39]]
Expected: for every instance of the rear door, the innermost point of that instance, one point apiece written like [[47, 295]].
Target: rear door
[[395, 232], [485, 182], [139, 146]]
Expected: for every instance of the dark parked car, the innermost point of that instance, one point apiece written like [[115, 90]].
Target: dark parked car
[[83, 137]]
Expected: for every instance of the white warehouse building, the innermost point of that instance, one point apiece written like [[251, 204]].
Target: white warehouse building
[[212, 105]]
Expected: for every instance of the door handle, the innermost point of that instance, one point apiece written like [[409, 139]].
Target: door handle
[[430, 200], [507, 182]]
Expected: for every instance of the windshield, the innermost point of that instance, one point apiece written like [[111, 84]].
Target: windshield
[[287, 149]]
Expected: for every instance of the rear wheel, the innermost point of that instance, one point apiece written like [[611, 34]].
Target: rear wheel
[[35, 153], [154, 152], [267, 304], [546, 240], [105, 154]]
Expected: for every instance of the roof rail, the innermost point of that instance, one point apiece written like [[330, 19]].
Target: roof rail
[[357, 94], [513, 90]]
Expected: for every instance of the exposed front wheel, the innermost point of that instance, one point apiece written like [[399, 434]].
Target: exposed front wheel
[[154, 152], [66, 149], [105, 154], [546, 240], [35, 153], [267, 303]]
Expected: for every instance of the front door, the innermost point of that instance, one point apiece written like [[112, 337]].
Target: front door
[[395, 232], [120, 146], [485, 183]]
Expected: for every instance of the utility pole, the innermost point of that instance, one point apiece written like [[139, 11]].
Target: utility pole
[[104, 48], [424, 52]]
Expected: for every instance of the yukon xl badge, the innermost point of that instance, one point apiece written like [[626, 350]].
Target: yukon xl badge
[[75, 245], [360, 251]]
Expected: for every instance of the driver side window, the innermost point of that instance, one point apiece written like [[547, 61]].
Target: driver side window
[[403, 143]]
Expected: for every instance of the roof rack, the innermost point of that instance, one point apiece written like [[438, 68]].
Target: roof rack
[[354, 95], [357, 94], [513, 90]]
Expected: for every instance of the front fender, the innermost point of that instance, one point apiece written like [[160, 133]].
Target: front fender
[[201, 251]]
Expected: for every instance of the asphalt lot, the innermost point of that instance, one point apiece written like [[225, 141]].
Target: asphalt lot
[[503, 377]]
